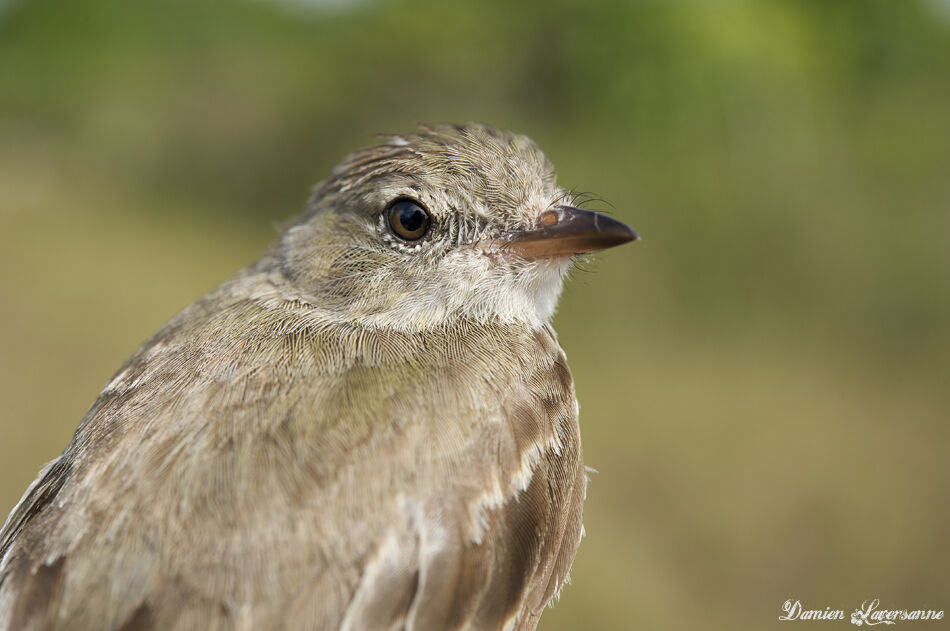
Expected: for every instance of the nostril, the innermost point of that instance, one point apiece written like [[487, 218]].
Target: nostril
[[549, 218]]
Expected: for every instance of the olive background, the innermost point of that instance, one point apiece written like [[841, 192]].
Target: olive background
[[764, 379]]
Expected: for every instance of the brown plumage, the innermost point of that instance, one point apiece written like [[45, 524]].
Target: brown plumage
[[354, 433]]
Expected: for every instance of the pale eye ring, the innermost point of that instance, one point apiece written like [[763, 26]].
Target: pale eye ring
[[408, 219]]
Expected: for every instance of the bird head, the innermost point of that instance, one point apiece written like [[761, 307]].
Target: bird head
[[451, 222]]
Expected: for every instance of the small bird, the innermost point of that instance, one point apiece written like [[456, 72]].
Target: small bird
[[371, 427]]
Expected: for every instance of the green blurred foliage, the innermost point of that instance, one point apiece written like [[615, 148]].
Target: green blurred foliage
[[763, 379]]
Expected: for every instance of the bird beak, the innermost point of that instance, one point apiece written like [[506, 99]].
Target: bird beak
[[566, 230]]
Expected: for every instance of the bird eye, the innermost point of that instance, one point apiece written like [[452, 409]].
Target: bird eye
[[408, 220]]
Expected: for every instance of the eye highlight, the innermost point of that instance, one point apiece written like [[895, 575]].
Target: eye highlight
[[408, 219]]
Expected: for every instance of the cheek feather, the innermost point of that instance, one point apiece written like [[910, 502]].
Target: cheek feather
[[485, 286], [385, 287], [549, 280]]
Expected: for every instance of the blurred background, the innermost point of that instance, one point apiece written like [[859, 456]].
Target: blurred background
[[764, 379]]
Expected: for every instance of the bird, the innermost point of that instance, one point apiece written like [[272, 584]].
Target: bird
[[371, 427]]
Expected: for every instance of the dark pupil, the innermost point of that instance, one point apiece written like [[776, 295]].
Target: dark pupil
[[410, 216]]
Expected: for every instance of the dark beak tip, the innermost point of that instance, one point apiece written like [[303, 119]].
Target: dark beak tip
[[632, 235], [621, 232]]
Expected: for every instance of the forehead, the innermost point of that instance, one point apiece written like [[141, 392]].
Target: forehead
[[485, 168]]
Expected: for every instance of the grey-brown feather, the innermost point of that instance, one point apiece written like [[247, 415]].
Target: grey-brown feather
[[258, 465]]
